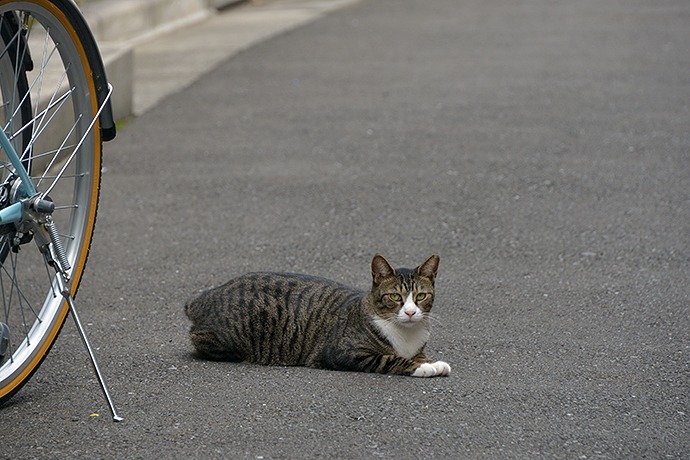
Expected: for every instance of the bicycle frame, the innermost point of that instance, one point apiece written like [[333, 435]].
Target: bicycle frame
[[13, 213]]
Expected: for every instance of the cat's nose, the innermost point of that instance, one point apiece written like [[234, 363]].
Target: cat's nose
[[410, 313]]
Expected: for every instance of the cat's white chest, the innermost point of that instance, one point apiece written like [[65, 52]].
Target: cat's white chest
[[407, 342]]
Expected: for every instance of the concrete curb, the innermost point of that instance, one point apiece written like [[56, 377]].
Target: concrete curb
[[120, 25], [152, 48]]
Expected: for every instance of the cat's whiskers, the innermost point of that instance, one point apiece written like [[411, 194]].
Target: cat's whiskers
[[431, 317], [426, 317], [389, 319]]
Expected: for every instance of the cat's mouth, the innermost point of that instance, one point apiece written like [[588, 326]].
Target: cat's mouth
[[409, 321]]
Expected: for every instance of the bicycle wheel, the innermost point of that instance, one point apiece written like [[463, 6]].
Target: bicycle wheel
[[63, 155]]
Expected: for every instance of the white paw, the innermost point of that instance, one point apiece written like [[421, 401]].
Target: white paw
[[442, 368], [437, 369]]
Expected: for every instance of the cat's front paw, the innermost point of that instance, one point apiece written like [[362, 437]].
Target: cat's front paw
[[437, 369], [442, 368]]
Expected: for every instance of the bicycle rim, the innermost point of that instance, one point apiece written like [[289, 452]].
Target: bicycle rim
[[63, 107]]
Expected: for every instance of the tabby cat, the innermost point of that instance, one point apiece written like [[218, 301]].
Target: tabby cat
[[298, 320]]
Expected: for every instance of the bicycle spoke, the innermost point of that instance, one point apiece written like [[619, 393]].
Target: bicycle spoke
[[40, 126], [5, 304], [15, 40], [11, 41], [64, 176], [58, 102], [6, 308], [21, 299], [41, 155], [56, 156], [15, 284]]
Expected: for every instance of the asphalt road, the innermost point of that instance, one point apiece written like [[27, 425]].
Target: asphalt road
[[539, 147]]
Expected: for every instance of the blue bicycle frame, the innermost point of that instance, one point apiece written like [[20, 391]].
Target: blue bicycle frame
[[13, 213]]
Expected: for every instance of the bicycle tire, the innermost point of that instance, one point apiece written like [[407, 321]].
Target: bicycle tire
[[35, 316]]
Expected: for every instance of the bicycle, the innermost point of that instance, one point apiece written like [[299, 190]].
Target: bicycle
[[55, 112]]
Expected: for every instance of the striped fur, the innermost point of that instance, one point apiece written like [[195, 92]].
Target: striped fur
[[299, 320]]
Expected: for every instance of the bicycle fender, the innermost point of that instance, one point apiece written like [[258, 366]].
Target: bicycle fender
[[93, 55]]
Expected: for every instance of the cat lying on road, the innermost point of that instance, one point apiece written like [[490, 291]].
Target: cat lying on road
[[297, 320]]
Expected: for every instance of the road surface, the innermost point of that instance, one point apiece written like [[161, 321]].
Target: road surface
[[540, 148]]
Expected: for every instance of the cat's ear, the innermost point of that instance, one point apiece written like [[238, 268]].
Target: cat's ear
[[380, 269], [429, 268]]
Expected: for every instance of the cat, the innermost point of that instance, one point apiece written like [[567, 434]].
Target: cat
[[299, 320]]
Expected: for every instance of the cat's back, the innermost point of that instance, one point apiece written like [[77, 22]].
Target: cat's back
[[270, 318], [268, 292]]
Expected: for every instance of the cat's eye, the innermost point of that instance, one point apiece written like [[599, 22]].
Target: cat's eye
[[421, 297], [394, 297]]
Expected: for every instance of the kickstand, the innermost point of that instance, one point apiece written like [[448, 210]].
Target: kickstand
[[68, 297]]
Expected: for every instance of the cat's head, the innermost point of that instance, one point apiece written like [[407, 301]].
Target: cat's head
[[403, 296]]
